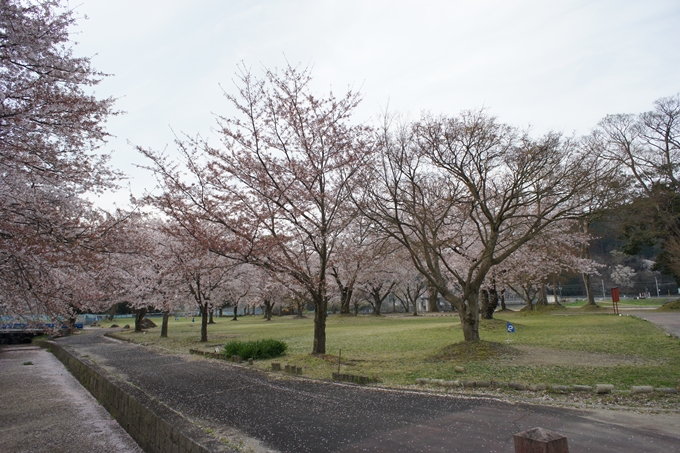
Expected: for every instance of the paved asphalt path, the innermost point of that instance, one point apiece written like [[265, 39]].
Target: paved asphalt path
[[297, 415], [43, 408], [668, 321]]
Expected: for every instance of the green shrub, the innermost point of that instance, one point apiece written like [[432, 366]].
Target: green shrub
[[261, 349]]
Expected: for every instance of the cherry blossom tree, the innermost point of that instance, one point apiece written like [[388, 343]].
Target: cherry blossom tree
[[275, 193], [463, 194], [50, 129], [555, 250]]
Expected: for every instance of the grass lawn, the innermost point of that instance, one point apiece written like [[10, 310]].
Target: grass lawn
[[559, 347]]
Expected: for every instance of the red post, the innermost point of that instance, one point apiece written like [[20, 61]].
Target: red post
[[615, 299]]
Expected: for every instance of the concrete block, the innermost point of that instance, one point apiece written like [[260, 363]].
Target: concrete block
[[517, 386], [459, 369], [468, 384], [603, 388], [537, 387], [422, 381], [560, 388], [641, 389], [276, 366], [539, 440], [482, 384], [582, 388], [437, 382], [451, 384], [668, 390]]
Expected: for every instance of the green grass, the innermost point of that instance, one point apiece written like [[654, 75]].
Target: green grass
[[399, 349]]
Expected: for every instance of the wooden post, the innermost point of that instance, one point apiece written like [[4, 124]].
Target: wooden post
[[539, 440]]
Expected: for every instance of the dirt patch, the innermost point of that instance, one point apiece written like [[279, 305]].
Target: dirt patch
[[469, 351], [529, 355]]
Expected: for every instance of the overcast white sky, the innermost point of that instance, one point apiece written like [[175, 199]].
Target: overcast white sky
[[558, 65]]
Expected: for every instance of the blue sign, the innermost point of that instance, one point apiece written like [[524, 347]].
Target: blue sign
[[511, 328]]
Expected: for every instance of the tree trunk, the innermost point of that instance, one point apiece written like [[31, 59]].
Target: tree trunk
[[235, 318], [432, 299], [204, 323], [590, 297], [164, 325], [112, 312], [585, 253], [502, 299], [542, 299], [268, 307], [469, 317], [320, 327], [139, 315], [72, 323], [485, 302], [210, 320], [489, 303], [529, 297]]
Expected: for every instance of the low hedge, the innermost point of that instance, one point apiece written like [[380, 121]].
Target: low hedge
[[261, 349]]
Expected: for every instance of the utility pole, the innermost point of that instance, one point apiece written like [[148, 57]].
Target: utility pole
[[657, 286]]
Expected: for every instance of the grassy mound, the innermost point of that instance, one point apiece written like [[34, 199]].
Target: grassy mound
[[670, 306], [261, 349], [474, 351]]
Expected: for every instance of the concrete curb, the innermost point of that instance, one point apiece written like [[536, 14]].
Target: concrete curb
[[155, 427], [597, 388]]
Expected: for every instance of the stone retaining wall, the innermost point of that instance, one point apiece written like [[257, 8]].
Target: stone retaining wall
[[155, 427]]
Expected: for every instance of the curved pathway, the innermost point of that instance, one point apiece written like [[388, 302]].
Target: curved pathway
[[296, 415], [668, 321]]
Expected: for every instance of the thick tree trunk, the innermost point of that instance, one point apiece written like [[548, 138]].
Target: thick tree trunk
[[139, 315], [210, 320], [489, 303], [469, 317], [320, 327], [164, 325], [542, 299], [377, 305], [345, 299], [220, 312], [268, 307], [502, 300], [204, 323], [485, 305], [432, 299], [235, 318]]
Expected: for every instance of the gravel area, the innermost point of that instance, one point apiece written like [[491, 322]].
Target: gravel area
[[275, 413]]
